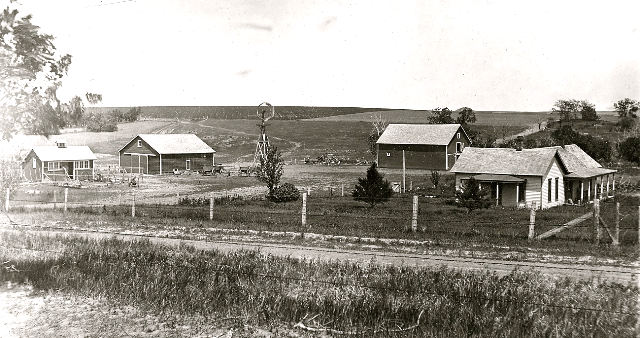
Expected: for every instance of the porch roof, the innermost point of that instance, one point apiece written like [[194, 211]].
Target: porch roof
[[590, 172], [497, 178]]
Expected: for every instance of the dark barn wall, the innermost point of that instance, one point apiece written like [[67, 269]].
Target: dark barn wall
[[32, 175], [451, 148], [130, 162], [416, 156], [178, 161]]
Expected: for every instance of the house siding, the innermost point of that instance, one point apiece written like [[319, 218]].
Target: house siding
[[36, 175], [532, 189], [416, 156], [553, 172]]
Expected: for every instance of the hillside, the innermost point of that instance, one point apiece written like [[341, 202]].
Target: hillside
[[240, 112]]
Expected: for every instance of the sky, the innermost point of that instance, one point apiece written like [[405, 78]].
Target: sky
[[487, 55]]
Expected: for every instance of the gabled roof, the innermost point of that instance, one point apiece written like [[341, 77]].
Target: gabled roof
[[175, 143], [504, 161], [574, 158], [69, 153], [432, 134]]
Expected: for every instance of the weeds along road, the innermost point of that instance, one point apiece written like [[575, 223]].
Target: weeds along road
[[501, 267]]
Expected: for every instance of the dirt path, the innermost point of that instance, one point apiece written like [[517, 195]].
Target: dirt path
[[501, 267], [532, 128]]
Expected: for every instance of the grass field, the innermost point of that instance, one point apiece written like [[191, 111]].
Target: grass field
[[238, 112], [334, 297]]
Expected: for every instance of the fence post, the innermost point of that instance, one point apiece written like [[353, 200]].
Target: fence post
[[342, 191], [55, 198], [596, 219], [66, 194], [211, 208], [6, 201], [304, 209], [133, 204], [411, 185], [308, 191], [616, 241], [639, 238], [330, 191], [532, 221], [414, 217]]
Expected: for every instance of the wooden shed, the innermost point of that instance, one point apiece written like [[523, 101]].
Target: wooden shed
[[58, 163], [421, 146], [162, 153]]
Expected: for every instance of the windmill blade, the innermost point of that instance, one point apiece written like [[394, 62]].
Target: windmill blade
[[269, 111]]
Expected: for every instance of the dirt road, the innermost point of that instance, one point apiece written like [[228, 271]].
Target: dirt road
[[501, 267]]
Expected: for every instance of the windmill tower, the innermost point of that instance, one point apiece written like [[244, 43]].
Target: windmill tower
[[265, 112]]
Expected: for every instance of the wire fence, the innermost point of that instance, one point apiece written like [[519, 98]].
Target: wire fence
[[330, 213]]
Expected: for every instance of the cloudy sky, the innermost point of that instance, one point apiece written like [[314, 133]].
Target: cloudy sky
[[489, 55]]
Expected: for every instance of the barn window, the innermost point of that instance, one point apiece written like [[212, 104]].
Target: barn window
[[458, 147], [188, 165], [458, 135], [33, 163], [388, 154], [139, 143]]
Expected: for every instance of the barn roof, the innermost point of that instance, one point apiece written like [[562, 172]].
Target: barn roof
[[69, 153], [504, 161], [176, 143], [432, 134]]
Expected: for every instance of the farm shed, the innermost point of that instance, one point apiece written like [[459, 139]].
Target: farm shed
[[544, 177], [162, 153], [58, 163], [421, 146]]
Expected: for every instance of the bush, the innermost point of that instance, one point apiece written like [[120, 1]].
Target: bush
[[626, 123], [372, 189], [286, 192], [471, 197], [629, 149]]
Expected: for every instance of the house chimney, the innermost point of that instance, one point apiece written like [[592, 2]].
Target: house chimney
[[519, 142]]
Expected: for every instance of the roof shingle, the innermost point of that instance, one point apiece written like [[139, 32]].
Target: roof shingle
[[176, 143], [432, 134]]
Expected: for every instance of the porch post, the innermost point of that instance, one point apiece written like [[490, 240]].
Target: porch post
[[581, 191], [214, 162], [601, 187], [613, 192], [517, 194], [497, 193], [607, 185], [589, 191]]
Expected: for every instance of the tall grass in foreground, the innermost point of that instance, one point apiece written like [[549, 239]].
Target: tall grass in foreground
[[345, 296]]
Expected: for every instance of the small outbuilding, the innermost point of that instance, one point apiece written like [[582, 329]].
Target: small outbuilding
[[58, 163], [164, 153], [421, 146]]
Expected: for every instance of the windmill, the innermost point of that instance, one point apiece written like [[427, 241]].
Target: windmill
[[265, 112]]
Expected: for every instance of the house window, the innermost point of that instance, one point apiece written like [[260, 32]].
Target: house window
[[459, 147], [53, 165], [81, 164], [139, 143], [188, 165], [388, 154], [549, 184], [557, 180], [33, 163], [458, 136]]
